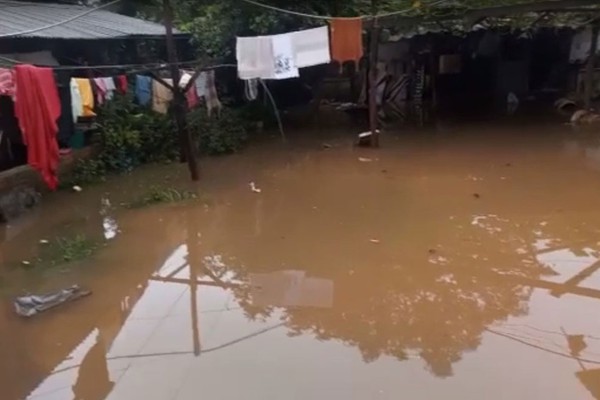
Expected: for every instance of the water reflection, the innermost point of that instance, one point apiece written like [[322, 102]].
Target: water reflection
[[109, 222], [398, 312], [188, 310], [290, 288], [287, 292]]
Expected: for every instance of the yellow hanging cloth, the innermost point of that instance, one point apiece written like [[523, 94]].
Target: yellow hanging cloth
[[87, 97]]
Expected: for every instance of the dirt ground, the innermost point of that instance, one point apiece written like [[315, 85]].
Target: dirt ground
[[461, 263]]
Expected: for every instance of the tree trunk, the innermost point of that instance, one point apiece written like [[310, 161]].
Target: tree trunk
[[185, 139], [589, 72], [373, 44]]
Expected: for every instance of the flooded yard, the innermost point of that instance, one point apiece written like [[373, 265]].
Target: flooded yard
[[462, 263]]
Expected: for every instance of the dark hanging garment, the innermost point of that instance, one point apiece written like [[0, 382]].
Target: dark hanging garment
[[12, 150], [66, 127], [121, 84]]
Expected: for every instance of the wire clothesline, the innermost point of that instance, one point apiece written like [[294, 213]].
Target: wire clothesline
[[256, 3], [327, 17], [162, 66], [142, 67]]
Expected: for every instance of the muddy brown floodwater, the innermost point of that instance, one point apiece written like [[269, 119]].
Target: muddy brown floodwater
[[462, 264]]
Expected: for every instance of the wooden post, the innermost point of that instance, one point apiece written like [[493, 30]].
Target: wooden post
[[373, 47], [434, 72], [589, 71], [185, 139]]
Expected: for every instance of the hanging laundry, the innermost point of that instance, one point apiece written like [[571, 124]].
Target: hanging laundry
[[121, 83], [191, 96], [255, 57], [87, 97], [251, 89], [211, 97], [143, 89], [346, 39], [161, 96], [284, 58], [37, 108], [100, 90], [66, 127], [109, 83], [7, 82], [201, 85], [581, 43], [184, 79], [311, 47], [76, 102]]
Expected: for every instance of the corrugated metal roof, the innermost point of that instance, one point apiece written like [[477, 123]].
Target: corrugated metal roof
[[101, 24]]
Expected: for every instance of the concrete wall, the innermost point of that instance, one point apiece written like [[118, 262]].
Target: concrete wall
[[22, 188]]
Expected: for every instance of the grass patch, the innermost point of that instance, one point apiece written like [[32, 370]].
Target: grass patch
[[75, 248], [157, 195], [64, 250]]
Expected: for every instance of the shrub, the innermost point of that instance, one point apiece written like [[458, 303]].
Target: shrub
[[128, 135], [132, 135], [215, 135]]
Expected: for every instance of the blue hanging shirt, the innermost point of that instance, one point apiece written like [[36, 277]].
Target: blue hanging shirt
[[143, 89]]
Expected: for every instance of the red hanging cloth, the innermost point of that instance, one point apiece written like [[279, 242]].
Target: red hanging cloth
[[37, 107], [192, 98], [122, 84], [7, 82]]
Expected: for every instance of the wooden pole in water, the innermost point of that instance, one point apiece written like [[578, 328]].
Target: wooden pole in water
[[373, 49], [589, 71], [185, 139]]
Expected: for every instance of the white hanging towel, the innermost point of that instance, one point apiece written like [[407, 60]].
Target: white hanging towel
[[76, 102], [110, 88], [311, 47], [580, 46], [184, 79], [284, 57], [201, 90], [255, 57]]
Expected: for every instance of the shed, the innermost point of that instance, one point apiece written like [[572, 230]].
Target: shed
[[52, 34], [67, 21], [77, 34]]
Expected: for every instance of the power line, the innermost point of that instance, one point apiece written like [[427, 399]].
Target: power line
[[557, 353], [549, 331], [326, 17], [83, 14], [405, 11], [281, 10]]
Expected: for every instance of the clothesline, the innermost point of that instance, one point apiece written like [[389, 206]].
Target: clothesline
[[149, 66], [326, 17], [35, 89]]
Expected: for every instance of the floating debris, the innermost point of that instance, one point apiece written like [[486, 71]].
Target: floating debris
[[28, 306], [254, 188], [364, 139]]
